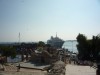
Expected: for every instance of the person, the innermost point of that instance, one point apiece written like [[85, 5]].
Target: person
[[98, 69], [18, 68]]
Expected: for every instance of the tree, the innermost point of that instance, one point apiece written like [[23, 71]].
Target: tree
[[8, 51], [96, 47], [84, 47], [41, 44], [89, 49]]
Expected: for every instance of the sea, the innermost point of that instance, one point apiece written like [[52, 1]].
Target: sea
[[71, 45]]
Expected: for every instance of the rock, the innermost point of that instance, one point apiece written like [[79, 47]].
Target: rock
[[57, 68]]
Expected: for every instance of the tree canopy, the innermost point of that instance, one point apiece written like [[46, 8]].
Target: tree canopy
[[41, 44], [83, 47], [96, 47], [88, 49], [8, 51]]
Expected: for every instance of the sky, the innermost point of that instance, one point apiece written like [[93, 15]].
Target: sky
[[38, 20]]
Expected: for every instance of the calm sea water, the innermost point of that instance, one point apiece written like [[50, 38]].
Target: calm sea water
[[70, 45]]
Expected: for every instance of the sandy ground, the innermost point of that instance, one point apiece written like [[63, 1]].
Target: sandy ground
[[70, 70]]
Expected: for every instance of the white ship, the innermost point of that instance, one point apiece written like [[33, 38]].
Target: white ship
[[55, 42]]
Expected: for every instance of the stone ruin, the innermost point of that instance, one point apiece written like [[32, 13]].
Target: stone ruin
[[57, 68]]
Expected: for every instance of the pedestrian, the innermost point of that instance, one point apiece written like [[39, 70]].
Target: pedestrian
[[18, 68]]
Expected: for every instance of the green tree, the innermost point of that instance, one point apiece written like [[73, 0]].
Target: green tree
[[88, 49], [96, 47], [84, 47], [41, 44], [8, 51]]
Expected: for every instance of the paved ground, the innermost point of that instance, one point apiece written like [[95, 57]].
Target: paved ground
[[79, 70]]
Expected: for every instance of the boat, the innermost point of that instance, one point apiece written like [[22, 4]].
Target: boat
[[55, 42]]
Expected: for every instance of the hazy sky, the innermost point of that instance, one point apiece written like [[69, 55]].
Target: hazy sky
[[40, 19]]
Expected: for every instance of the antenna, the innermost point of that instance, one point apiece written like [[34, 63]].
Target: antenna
[[19, 37]]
